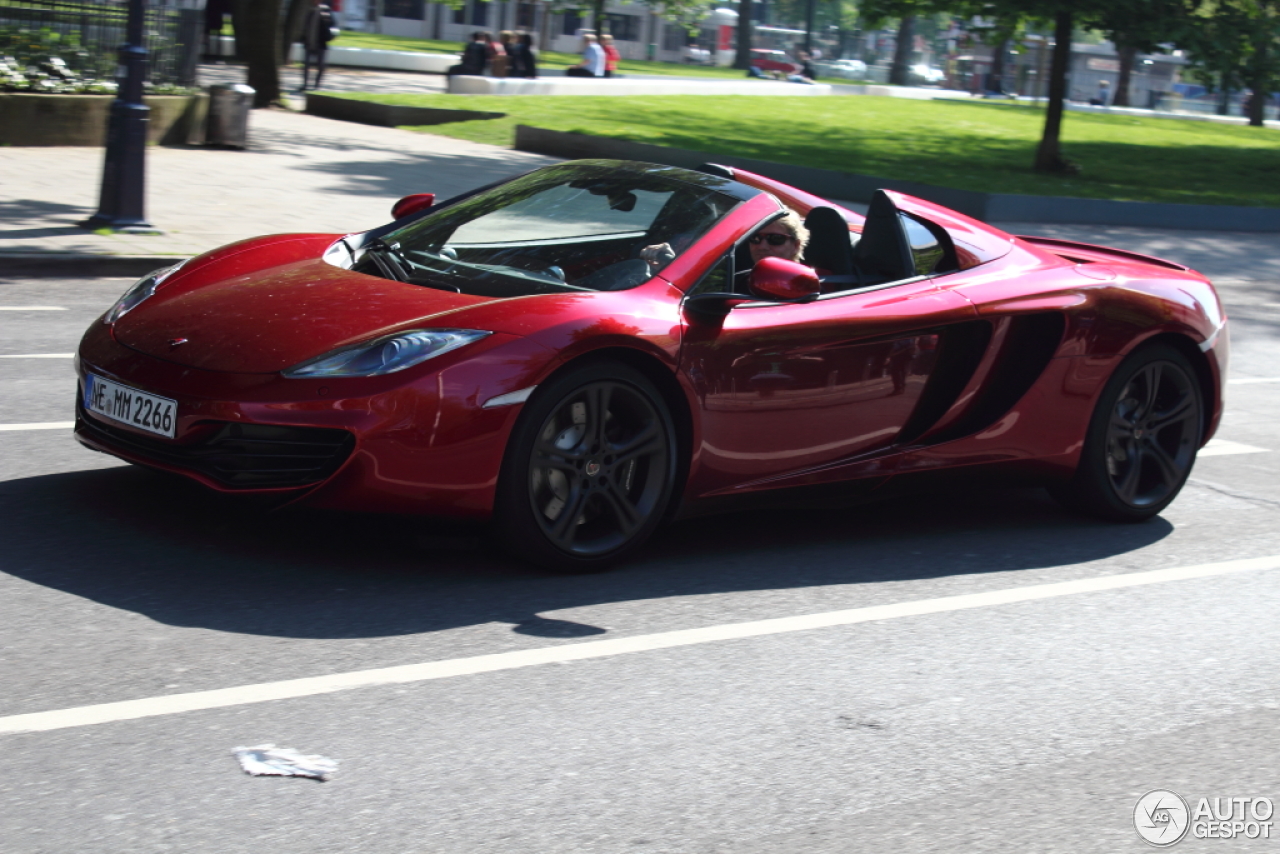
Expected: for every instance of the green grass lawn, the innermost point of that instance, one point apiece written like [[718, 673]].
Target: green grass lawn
[[976, 146], [546, 59]]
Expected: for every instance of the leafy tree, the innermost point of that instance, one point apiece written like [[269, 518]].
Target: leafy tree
[[877, 12], [1239, 41], [1064, 15], [1135, 27]]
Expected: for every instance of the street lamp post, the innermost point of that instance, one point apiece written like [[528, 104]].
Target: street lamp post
[[122, 205]]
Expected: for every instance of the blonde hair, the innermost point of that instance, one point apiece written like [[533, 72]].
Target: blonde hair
[[792, 222]]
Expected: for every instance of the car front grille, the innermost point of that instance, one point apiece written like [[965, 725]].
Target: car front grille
[[238, 456]]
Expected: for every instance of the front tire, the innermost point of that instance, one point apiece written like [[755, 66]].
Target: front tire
[[589, 470], [1142, 439]]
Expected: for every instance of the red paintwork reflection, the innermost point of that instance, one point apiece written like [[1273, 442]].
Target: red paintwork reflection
[[779, 279]]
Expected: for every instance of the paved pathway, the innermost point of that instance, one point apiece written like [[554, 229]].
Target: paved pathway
[[336, 79], [301, 173]]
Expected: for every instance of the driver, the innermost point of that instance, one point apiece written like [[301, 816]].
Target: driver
[[785, 237]]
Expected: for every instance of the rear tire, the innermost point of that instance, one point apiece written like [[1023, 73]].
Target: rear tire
[[1142, 439], [589, 470]]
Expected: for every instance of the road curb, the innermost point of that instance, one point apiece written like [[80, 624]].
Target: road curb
[[989, 207]]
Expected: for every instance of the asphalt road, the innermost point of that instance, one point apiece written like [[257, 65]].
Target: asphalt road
[[976, 724]]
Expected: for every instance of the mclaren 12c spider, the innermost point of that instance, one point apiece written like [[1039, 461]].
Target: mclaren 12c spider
[[514, 357]]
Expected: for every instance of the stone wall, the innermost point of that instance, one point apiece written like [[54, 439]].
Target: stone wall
[[27, 119]]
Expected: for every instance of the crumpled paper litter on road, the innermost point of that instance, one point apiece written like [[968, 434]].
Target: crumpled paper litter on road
[[269, 760]]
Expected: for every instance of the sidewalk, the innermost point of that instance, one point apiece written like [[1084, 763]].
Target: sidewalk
[[307, 174], [301, 173]]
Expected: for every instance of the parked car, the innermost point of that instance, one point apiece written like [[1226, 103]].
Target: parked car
[[926, 75], [847, 69], [773, 60], [697, 55], [507, 357]]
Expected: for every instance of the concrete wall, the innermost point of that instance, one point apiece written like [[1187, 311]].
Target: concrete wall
[[626, 86], [27, 119], [384, 115]]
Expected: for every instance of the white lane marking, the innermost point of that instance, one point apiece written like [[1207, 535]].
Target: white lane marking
[[40, 425], [1252, 380], [309, 687], [41, 356], [31, 308], [1223, 448]]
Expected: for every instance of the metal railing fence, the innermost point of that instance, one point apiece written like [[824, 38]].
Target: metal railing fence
[[84, 38]]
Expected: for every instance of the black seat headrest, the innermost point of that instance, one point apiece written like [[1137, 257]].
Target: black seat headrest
[[884, 253], [829, 248]]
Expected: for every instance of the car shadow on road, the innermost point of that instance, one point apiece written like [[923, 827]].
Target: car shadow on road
[[156, 545]]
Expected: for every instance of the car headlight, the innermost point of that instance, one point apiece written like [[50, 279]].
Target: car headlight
[[386, 355], [143, 288]]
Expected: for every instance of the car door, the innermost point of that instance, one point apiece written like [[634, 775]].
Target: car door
[[788, 388]]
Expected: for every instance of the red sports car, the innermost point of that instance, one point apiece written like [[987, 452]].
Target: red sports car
[[773, 60], [517, 355]]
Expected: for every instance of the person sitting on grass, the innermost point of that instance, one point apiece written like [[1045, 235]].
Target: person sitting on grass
[[523, 61], [474, 57], [611, 55], [592, 64]]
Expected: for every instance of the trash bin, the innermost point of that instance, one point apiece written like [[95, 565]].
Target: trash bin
[[229, 105]]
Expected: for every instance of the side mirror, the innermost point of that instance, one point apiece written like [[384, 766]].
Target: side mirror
[[412, 204], [779, 279]]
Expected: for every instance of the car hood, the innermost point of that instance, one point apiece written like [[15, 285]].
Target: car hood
[[267, 320]]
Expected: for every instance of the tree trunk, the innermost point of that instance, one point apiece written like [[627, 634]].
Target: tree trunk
[[1128, 55], [1224, 95], [239, 24], [1049, 155], [1260, 84], [899, 72], [293, 22], [262, 49], [742, 59], [996, 81]]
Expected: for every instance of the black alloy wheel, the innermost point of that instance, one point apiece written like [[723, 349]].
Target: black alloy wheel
[[589, 470], [1142, 439]]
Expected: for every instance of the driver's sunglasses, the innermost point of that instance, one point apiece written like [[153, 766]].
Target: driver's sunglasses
[[774, 239]]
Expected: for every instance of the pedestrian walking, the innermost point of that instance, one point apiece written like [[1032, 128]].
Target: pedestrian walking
[[320, 29]]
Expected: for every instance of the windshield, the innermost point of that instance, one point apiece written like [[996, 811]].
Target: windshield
[[564, 228]]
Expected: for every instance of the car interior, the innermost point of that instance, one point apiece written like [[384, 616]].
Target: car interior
[[893, 246]]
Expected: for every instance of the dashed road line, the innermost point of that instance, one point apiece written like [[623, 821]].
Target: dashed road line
[[1224, 448], [585, 650], [1252, 380], [32, 308], [39, 425]]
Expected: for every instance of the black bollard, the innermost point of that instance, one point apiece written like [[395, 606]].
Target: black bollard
[[122, 205]]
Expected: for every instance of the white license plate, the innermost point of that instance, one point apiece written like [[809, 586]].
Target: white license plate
[[129, 406]]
